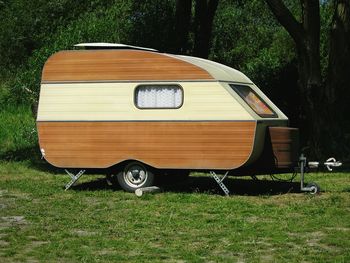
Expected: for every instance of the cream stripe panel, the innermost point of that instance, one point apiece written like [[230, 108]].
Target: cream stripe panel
[[115, 101]]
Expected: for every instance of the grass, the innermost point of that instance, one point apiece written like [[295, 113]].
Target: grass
[[17, 132], [263, 221]]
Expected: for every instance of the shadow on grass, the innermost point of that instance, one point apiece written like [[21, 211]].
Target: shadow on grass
[[347, 190], [207, 185], [99, 184], [236, 185], [32, 156], [29, 153], [195, 184]]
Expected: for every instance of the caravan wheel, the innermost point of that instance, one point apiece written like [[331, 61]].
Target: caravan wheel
[[315, 188], [135, 175]]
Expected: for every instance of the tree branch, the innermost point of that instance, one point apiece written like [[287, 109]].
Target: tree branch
[[287, 20], [311, 17]]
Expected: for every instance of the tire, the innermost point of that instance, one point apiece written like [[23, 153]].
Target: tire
[[134, 176], [315, 188]]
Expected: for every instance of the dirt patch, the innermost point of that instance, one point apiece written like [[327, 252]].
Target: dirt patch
[[8, 221], [107, 252], [253, 219], [262, 242], [312, 240], [83, 233], [293, 245], [342, 229], [3, 243], [20, 195], [39, 243], [13, 195], [32, 246], [266, 258], [104, 252], [240, 258], [3, 192]]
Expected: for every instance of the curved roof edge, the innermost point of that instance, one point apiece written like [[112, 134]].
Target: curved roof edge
[[119, 65], [103, 45], [217, 70]]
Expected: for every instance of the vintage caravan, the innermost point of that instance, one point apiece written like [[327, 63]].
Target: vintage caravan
[[137, 111]]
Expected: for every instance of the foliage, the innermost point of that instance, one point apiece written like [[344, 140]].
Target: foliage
[[245, 36], [326, 11], [152, 23], [321, 73], [27, 25], [90, 27], [261, 223]]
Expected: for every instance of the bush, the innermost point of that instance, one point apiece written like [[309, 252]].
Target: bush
[[101, 25]]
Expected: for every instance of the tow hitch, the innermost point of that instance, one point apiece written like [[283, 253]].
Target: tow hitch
[[312, 187]]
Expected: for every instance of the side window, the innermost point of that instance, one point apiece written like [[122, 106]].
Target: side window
[[254, 101], [158, 97]]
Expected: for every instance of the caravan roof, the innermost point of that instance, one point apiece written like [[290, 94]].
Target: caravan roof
[[104, 45], [115, 62]]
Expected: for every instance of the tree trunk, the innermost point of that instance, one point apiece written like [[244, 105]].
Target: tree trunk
[[306, 36], [183, 16], [204, 16], [338, 76], [311, 84], [312, 117]]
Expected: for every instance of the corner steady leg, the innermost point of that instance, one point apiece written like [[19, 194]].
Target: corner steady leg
[[220, 182], [74, 178]]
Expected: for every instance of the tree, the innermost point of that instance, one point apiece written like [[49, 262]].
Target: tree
[[317, 97], [183, 16], [202, 24], [152, 24], [339, 57]]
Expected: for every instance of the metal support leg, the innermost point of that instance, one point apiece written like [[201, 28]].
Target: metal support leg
[[220, 182], [254, 177], [74, 178], [312, 188], [302, 164]]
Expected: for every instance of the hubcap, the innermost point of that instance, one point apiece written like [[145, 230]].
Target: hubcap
[[135, 175]]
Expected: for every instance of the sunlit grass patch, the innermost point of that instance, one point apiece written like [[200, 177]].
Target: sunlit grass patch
[[191, 222]]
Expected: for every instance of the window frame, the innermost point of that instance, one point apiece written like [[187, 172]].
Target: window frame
[[160, 85], [236, 90]]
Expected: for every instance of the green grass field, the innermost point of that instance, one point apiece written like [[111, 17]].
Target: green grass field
[[18, 136], [263, 221]]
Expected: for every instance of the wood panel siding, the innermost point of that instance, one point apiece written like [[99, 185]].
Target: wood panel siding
[[190, 145], [285, 146], [117, 65]]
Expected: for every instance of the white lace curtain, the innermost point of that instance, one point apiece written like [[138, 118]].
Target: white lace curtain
[[159, 96]]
